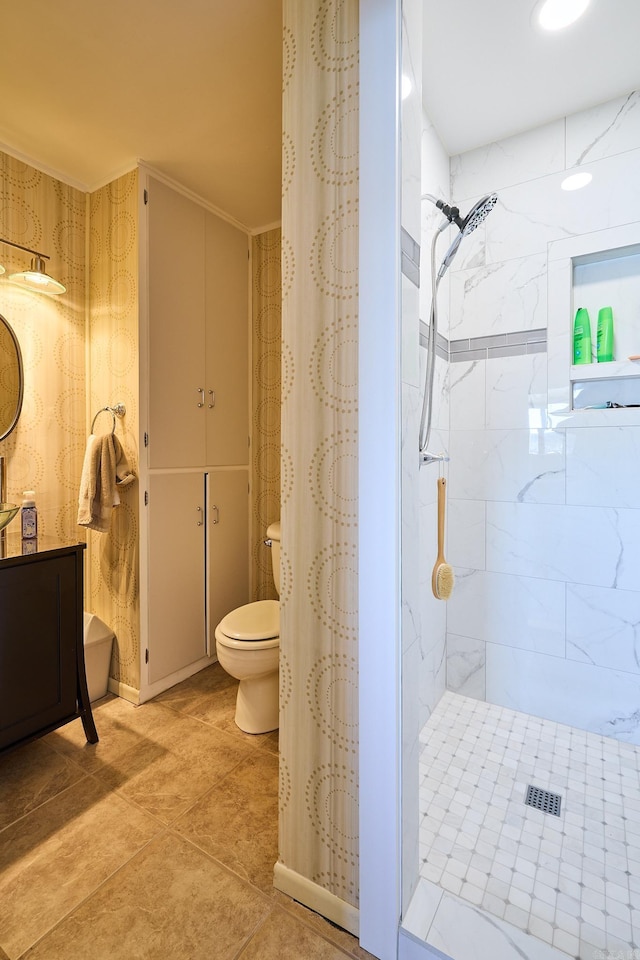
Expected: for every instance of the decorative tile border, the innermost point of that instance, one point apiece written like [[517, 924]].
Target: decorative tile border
[[410, 257], [487, 348], [442, 344]]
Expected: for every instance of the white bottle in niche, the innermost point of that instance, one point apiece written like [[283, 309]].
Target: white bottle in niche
[[29, 515]]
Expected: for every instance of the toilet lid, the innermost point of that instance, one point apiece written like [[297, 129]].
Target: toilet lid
[[253, 621]]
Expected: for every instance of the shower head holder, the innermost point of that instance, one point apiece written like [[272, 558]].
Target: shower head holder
[[451, 213]]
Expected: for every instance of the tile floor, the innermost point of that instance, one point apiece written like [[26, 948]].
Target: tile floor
[[158, 842], [572, 881]]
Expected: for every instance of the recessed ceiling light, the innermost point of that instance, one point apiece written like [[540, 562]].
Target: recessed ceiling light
[[576, 181], [406, 87], [557, 14]]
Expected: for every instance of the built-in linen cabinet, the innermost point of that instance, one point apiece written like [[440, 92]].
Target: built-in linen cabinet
[[198, 535], [594, 271], [195, 411], [198, 337]]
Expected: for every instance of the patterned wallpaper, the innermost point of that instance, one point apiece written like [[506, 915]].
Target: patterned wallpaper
[[80, 353], [265, 405], [319, 614], [113, 558], [46, 449]]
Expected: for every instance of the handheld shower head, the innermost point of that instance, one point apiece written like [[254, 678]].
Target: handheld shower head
[[477, 214], [473, 219]]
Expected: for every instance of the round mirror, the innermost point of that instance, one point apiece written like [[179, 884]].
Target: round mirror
[[11, 379]]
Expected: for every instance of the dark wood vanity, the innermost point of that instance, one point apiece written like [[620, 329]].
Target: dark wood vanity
[[42, 673]]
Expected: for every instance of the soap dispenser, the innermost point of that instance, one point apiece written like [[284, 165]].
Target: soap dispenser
[[29, 515]]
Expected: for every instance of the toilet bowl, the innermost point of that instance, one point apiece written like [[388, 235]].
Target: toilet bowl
[[248, 648]]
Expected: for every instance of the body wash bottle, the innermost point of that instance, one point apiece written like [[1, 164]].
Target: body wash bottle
[[604, 342], [582, 337]]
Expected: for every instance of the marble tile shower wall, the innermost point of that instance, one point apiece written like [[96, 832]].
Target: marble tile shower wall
[[431, 668], [411, 126], [544, 514]]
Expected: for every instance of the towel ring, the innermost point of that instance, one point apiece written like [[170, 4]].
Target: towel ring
[[118, 410]]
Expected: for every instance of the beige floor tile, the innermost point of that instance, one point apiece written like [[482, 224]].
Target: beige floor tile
[[161, 759], [31, 775], [220, 712], [173, 767], [282, 937], [121, 726], [212, 682], [210, 696], [180, 751], [328, 930], [171, 902], [271, 742], [58, 854], [237, 822]]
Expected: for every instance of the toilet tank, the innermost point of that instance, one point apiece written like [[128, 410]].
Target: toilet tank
[[273, 534]]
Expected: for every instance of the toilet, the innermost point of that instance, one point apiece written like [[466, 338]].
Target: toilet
[[248, 648]]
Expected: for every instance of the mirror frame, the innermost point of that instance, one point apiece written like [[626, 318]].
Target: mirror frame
[[21, 376]]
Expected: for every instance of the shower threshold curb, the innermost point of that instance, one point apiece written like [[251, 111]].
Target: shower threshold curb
[[440, 926]]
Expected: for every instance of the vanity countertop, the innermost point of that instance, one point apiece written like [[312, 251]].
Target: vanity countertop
[[12, 545]]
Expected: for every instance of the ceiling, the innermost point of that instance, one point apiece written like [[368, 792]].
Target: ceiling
[[489, 74], [194, 88]]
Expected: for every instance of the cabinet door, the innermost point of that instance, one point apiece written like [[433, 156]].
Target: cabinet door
[[38, 636], [177, 412], [227, 343], [176, 572], [228, 545]]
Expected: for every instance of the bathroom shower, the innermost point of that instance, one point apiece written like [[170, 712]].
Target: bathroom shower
[[466, 225]]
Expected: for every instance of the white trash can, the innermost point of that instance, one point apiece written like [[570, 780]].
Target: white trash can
[[98, 641]]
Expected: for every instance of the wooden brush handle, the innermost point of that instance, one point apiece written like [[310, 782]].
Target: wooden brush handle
[[442, 484]]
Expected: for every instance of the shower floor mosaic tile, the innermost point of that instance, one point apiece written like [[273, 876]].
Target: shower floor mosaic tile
[[571, 881]]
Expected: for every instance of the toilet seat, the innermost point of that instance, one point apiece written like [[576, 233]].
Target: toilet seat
[[252, 622]]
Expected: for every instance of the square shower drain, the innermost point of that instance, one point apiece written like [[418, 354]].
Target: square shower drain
[[543, 800]]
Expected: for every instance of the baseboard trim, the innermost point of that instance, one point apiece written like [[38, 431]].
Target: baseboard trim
[[123, 690], [150, 690], [317, 898]]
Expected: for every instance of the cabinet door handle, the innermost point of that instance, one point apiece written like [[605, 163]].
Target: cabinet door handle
[[201, 392], [215, 513], [212, 399], [199, 521]]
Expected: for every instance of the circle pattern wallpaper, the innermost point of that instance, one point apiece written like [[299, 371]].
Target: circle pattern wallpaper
[[319, 460], [45, 451]]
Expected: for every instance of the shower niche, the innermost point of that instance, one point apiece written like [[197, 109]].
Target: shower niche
[[593, 271]]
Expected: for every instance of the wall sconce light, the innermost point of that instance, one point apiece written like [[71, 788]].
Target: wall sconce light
[[36, 277]]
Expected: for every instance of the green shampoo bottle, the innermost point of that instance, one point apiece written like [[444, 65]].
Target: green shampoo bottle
[[604, 342], [582, 337]]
